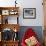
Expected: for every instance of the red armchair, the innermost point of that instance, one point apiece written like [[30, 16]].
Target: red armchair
[[30, 34]]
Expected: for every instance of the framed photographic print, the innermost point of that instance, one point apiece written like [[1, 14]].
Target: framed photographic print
[[5, 12], [29, 13]]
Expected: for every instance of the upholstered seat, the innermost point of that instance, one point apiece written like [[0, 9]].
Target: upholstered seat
[[29, 36]]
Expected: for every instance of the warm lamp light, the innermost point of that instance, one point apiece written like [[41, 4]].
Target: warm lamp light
[[15, 30]]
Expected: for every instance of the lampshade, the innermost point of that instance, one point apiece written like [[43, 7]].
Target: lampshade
[[15, 30]]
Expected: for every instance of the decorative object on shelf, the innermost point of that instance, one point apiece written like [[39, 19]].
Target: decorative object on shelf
[[15, 36], [5, 12], [15, 3], [6, 21], [7, 34], [29, 13], [13, 12]]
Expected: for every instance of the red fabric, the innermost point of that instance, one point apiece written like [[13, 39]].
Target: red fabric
[[28, 33]]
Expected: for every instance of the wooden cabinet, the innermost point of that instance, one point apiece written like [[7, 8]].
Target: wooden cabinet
[[9, 25], [10, 43]]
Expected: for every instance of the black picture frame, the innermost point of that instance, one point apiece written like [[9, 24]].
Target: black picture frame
[[29, 13]]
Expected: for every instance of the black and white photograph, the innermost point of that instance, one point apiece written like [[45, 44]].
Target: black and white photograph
[[29, 13]]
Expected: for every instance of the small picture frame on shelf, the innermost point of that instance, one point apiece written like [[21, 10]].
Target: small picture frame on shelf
[[5, 12], [29, 13]]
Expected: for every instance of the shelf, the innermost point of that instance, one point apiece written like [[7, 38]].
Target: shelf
[[9, 10], [5, 8], [10, 20], [11, 41], [6, 12], [7, 23], [10, 26]]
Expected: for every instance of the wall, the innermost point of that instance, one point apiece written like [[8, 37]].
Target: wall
[[7, 3], [39, 13], [36, 23], [27, 4]]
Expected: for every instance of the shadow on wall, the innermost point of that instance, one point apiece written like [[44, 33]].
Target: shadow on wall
[[37, 29]]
